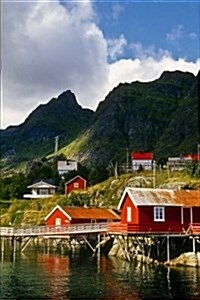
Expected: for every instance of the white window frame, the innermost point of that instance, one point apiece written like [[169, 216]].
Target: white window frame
[[58, 222], [159, 213], [76, 185], [129, 214]]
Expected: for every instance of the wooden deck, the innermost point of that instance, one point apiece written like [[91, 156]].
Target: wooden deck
[[148, 229]]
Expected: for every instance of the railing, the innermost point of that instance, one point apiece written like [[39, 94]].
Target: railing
[[54, 230], [99, 227], [194, 228], [152, 229]]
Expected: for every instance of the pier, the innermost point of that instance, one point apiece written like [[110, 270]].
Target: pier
[[164, 240]]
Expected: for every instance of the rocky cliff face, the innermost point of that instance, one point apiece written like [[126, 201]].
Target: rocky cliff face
[[159, 116]]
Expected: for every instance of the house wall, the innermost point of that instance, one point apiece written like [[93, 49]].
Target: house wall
[[172, 218], [196, 214], [72, 185], [51, 221], [134, 211]]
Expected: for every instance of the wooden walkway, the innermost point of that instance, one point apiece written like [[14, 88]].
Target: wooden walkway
[[89, 228], [46, 231]]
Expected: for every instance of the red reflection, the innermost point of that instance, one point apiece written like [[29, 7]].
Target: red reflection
[[115, 289]]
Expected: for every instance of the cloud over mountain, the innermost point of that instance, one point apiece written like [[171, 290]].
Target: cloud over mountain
[[49, 47]]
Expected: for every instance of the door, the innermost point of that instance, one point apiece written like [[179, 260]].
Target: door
[[186, 217]]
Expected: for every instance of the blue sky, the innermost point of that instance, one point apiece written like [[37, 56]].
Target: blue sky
[[89, 47], [172, 26]]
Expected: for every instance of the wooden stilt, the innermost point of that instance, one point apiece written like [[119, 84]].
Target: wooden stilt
[[193, 245], [168, 249], [99, 245]]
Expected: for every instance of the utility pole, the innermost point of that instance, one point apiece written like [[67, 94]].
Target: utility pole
[[154, 174], [56, 145], [127, 160]]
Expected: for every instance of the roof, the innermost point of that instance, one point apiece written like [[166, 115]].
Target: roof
[[142, 155], [41, 184], [86, 213], [74, 178], [191, 156], [164, 197]]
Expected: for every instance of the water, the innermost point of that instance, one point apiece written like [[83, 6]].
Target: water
[[62, 277]]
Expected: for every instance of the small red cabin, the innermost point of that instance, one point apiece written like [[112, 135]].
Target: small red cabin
[[76, 183], [61, 216], [158, 210]]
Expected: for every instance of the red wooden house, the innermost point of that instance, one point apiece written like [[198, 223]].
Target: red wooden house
[[158, 210], [76, 183], [61, 216]]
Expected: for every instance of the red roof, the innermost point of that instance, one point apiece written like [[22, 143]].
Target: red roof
[[191, 156], [90, 213], [86, 213], [142, 155]]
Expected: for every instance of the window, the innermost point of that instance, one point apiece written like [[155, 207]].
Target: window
[[58, 222], [76, 185], [129, 219], [159, 213]]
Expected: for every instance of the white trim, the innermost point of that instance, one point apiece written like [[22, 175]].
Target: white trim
[[182, 216], [78, 176], [41, 184], [162, 210], [126, 191], [61, 209], [191, 215], [128, 214]]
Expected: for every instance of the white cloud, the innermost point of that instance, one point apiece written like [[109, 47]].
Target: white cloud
[[49, 48], [116, 47], [147, 69], [141, 52], [193, 35], [175, 34], [117, 9]]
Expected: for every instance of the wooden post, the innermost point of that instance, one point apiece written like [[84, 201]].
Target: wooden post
[[2, 245], [193, 245], [99, 245], [168, 249]]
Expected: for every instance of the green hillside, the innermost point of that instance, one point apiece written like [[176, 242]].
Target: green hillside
[[104, 194]]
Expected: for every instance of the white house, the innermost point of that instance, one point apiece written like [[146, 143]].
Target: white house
[[40, 189], [66, 166]]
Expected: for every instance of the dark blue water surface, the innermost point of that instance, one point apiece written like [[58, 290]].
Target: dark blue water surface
[[61, 277]]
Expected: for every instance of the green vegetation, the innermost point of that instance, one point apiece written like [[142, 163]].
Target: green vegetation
[[104, 194]]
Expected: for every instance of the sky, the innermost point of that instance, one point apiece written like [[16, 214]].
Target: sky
[[89, 47]]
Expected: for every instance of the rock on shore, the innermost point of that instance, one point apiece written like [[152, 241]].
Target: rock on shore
[[189, 259]]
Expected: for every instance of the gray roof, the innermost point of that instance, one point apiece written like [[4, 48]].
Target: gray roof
[[164, 197]]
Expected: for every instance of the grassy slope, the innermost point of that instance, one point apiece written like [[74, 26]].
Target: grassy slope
[[106, 194]]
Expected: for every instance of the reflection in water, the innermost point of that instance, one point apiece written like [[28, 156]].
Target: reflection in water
[[44, 276]]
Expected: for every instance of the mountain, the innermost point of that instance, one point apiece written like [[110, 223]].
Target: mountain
[[159, 116], [61, 116]]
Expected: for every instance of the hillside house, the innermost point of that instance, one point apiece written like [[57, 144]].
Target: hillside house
[[179, 163], [61, 216], [142, 160], [76, 183], [158, 210], [40, 189], [64, 167]]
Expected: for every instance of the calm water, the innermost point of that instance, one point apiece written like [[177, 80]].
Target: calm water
[[62, 277]]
